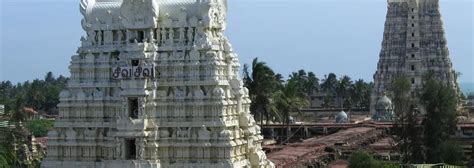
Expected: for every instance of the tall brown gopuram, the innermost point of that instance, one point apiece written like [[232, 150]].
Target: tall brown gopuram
[[414, 43]]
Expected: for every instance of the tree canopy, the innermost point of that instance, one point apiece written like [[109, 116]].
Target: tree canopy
[[40, 95], [440, 101], [276, 99], [426, 138]]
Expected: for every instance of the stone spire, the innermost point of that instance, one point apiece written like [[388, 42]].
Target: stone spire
[[414, 43], [155, 84]]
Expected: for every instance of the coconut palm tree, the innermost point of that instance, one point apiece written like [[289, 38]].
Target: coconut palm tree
[[262, 82], [360, 94], [307, 82], [342, 91], [329, 83], [329, 86], [289, 100]]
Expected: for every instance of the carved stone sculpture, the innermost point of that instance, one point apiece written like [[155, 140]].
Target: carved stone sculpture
[[173, 118], [141, 148], [203, 133]]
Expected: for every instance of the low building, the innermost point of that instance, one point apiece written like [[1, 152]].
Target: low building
[[470, 103], [318, 100], [4, 125]]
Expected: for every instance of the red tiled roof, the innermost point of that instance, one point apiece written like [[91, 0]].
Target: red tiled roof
[[312, 148], [43, 141], [29, 110]]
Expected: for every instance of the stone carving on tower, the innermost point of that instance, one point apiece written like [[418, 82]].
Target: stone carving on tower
[[155, 84], [414, 43]]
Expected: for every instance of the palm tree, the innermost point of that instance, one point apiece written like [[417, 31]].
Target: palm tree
[[289, 100], [329, 86], [329, 83], [342, 91], [360, 94], [312, 84], [262, 82], [307, 82]]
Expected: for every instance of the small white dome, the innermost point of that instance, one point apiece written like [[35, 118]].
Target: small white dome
[[384, 101], [341, 117], [383, 109]]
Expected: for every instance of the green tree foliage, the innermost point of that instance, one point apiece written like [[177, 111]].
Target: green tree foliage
[[346, 93], [8, 157], [330, 83], [389, 165], [343, 89], [329, 86], [427, 141], [273, 98], [451, 153], [407, 129], [306, 83], [360, 94], [41, 95], [440, 101], [39, 128], [276, 99], [16, 111], [361, 159], [290, 99], [262, 82]]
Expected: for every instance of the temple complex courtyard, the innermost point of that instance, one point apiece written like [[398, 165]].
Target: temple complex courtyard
[[161, 84]]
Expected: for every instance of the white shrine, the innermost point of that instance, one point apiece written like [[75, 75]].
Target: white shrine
[[154, 84]]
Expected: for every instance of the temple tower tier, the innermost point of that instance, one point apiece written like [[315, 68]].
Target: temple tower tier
[[414, 43], [155, 84]]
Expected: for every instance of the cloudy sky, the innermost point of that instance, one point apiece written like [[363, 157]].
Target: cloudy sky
[[341, 36]]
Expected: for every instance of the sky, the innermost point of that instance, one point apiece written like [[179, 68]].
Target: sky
[[322, 36]]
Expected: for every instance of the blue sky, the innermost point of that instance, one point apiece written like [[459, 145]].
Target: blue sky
[[341, 36]]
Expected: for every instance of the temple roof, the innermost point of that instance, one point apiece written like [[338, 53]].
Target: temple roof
[[109, 11]]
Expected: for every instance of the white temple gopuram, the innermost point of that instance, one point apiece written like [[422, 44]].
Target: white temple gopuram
[[154, 84]]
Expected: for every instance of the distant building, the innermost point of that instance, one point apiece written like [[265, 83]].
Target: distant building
[[470, 98], [414, 43], [318, 98], [470, 102]]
